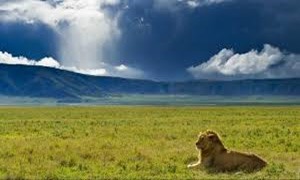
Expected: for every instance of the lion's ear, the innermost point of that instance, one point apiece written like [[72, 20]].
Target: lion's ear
[[213, 137]]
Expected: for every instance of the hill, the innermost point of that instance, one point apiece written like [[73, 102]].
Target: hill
[[34, 81]]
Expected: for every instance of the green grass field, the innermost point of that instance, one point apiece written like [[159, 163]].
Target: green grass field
[[142, 142]]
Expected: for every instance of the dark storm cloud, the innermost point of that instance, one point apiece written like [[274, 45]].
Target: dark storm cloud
[[34, 41], [166, 42]]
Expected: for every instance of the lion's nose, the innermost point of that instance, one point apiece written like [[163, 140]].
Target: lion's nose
[[197, 143]]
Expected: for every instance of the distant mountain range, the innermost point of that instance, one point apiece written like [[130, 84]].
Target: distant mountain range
[[34, 81]]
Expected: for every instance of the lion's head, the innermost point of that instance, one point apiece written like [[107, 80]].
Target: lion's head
[[208, 140]]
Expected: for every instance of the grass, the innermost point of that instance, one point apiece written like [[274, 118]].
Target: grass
[[142, 142]]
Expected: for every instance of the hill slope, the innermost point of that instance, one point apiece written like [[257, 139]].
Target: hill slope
[[33, 81], [48, 82]]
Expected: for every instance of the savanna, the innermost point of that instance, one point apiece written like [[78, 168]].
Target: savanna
[[142, 141]]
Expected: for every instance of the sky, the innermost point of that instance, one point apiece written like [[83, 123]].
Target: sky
[[164, 40]]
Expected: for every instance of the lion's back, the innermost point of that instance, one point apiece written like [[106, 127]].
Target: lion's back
[[232, 161]]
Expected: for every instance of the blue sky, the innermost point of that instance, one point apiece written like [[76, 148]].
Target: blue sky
[[155, 39]]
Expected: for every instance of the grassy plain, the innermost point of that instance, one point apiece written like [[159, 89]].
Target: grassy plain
[[142, 142]]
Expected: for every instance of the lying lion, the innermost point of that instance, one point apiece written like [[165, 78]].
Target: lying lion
[[214, 156]]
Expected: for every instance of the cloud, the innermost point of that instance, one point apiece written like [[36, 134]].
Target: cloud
[[126, 71], [107, 70], [173, 4], [197, 3], [83, 26], [6, 58], [270, 62]]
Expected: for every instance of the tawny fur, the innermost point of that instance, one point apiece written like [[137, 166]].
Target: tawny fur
[[214, 156]]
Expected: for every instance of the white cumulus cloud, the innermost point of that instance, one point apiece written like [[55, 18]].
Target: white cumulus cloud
[[6, 58], [196, 3], [126, 71], [107, 70], [172, 4], [270, 62]]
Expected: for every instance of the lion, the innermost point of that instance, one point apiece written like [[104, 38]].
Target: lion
[[215, 157]]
